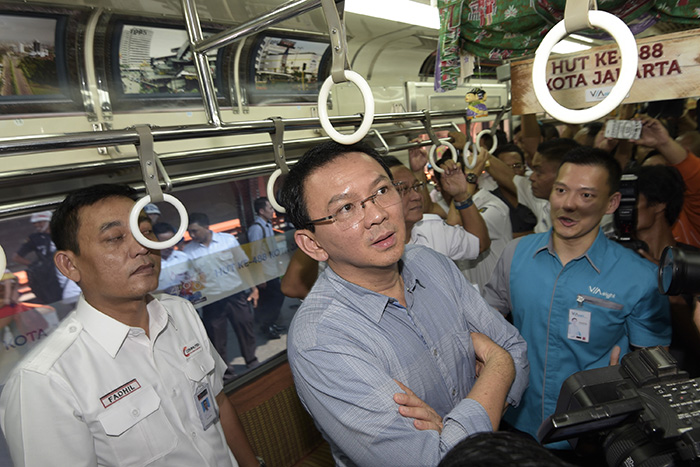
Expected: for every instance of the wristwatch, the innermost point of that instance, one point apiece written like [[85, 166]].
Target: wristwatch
[[472, 178]]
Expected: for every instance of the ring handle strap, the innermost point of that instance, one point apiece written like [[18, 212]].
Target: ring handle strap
[[149, 166], [3, 261], [336, 29], [429, 129], [280, 160], [576, 15]]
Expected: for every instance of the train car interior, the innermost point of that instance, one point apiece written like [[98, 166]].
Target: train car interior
[[202, 106]]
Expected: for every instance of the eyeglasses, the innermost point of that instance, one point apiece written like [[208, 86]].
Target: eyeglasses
[[516, 166], [350, 214], [404, 189]]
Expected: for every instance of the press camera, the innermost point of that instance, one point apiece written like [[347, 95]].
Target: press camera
[[646, 411]]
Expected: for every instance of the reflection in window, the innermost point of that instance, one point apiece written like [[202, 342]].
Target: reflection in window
[[156, 60], [27, 316]]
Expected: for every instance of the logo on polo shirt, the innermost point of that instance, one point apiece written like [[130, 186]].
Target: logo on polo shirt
[[119, 393], [188, 350], [597, 291]]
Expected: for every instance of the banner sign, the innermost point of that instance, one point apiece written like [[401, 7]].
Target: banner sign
[[669, 68]]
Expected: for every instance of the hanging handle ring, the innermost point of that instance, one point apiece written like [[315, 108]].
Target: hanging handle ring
[[341, 73], [150, 166], [278, 148], [3, 261], [628, 51], [436, 143], [492, 131], [367, 118]]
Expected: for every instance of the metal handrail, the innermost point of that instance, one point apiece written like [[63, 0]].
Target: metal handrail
[[47, 143]]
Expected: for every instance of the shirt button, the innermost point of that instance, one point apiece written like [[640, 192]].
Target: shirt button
[[435, 352], [135, 412], [194, 435], [454, 392], [73, 328], [174, 392]]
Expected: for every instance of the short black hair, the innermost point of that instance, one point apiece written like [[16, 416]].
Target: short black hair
[[500, 448], [392, 161], [553, 150], [163, 227], [199, 218], [586, 155], [662, 184], [66, 219], [509, 147], [292, 196], [260, 203]]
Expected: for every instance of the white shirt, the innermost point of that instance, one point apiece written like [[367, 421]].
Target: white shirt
[[217, 266], [497, 218], [539, 206], [174, 270], [450, 240], [98, 392]]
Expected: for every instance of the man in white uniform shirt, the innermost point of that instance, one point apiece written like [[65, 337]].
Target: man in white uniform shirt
[[175, 268], [222, 266], [126, 379]]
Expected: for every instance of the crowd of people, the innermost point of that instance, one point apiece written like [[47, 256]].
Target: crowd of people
[[438, 306]]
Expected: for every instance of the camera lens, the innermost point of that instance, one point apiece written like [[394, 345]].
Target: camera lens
[[679, 272]]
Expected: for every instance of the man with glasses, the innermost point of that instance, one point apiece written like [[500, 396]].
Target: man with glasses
[[522, 219], [385, 317], [454, 241]]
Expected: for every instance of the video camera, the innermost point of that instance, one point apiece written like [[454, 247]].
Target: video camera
[[625, 216], [646, 411]]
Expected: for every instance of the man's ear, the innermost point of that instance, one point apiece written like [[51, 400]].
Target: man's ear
[[65, 262], [613, 202], [306, 240]]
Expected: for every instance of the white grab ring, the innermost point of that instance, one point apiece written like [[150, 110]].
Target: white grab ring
[[3, 261], [431, 155], [369, 109], [494, 145], [271, 191], [470, 163], [136, 232], [628, 52]]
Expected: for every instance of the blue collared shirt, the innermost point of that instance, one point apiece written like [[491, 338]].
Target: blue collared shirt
[[347, 344], [614, 288]]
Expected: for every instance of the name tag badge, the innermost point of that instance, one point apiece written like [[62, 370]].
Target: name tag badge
[[206, 408], [579, 325]]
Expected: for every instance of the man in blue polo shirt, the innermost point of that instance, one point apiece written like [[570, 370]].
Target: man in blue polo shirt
[[574, 294]]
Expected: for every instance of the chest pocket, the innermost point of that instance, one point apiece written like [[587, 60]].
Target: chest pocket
[[137, 429], [199, 365]]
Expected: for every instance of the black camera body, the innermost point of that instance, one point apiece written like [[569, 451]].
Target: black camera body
[[646, 410]]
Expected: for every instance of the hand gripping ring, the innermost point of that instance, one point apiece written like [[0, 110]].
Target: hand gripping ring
[[271, 191], [136, 232], [628, 51], [481, 134], [3, 261], [368, 115], [431, 155]]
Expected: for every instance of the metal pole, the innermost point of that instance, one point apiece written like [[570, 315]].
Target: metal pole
[[48, 143], [283, 12]]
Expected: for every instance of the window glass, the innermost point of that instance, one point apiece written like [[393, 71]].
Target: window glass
[[215, 270]]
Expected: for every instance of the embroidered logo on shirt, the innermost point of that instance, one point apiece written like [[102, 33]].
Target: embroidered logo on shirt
[[119, 393], [597, 291], [191, 349]]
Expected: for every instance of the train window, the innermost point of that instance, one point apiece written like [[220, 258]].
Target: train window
[[215, 267], [33, 75], [150, 64], [287, 69]]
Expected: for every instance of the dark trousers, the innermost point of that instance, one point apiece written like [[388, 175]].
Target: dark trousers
[[270, 302], [237, 310]]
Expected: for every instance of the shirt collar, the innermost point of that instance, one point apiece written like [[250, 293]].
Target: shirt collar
[[110, 333], [595, 253], [365, 301], [262, 220]]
